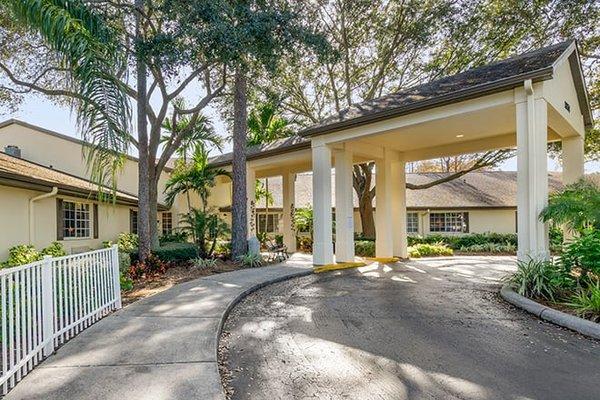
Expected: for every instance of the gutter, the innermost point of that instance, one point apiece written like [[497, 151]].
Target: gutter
[[52, 193]]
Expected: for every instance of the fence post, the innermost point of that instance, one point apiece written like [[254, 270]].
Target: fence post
[[116, 276], [47, 306]]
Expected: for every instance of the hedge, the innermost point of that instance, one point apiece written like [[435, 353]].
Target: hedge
[[464, 241], [429, 250], [364, 248], [171, 252]]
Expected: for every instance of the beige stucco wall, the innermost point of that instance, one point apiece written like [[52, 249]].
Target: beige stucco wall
[[14, 214]]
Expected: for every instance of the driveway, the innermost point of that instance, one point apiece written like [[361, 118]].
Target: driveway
[[428, 329]]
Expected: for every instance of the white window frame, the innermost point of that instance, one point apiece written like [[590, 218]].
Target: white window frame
[[451, 220], [410, 222], [170, 221], [77, 218]]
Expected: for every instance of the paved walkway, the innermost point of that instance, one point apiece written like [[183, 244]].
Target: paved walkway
[[162, 347], [427, 329]]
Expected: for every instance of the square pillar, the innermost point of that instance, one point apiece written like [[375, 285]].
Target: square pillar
[[532, 177], [322, 222], [251, 201], [344, 207], [289, 195], [384, 242], [398, 199], [573, 159]]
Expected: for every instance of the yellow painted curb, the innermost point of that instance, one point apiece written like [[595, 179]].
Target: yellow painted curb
[[384, 260], [334, 267]]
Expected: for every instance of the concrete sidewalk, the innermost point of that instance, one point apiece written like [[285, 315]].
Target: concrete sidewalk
[[162, 347]]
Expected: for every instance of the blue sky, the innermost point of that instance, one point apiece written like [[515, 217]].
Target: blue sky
[[39, 111]]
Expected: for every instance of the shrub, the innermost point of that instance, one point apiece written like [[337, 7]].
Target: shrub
[[429, 250], [541, 279], [459, 241], [251, 260], [55, 250], [176, 252], [489, 248], [304, 243], [174, 237], [22, 254], [126, 282], [127, 242], [364, 248], [152, 266], [124, 261], [577, 206], [279, 239], [586, 302], [205, 263], [223, 249], [206, 227], [583, 253]]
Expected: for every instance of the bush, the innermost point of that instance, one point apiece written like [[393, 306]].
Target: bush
[[489, 248], [541, 279], [126, 282], [152, 266], [223, 249], [55, 250], [205, 263], [429, 250], [586, 302], [583, 253], [251, 260], [124, 261], [304, 243], [127, 242], [174, 237], [176, 252], [364, 248], [458, 241], [22, 254]]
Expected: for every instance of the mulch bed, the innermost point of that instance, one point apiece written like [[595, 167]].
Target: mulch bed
[[178, 274]]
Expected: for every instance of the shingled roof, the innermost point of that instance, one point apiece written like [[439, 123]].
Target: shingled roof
[[502, 75], [264, 150], [17, 172], [483, 189]]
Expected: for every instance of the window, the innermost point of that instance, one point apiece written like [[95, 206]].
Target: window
[[454, 222], [133, 216], [76, 220], [167, 223], [268, 223], [412, 222]]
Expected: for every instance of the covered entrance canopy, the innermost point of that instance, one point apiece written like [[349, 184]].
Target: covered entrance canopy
[[523, 102]]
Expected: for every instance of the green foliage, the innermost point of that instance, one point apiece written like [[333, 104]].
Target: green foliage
[[556, 238], [541, 279], [265, 125], [456, 242], [126, 281], [124, 261], [127, 242], [583, 253], [176, 252], [429, 250], [55, 250], [489, 248], [206, 228], [577, 206], [223, 249], [251, 260], [279, 239], [303, 220], [153, 265], [205, 263], [586, 302], [86, 45], [22, 254], [261, 192], [174, 237], [364, 248], [304, 243]]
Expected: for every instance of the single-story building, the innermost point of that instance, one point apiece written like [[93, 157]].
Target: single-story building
[[478, 202]]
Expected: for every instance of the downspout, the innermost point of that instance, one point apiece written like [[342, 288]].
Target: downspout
[[52, 193]]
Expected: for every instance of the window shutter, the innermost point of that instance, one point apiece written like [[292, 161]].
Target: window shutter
[[131, 220], [60, 222], [95, 221], [466, 221]]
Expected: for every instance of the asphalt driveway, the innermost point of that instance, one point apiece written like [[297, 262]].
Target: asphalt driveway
[[430, 329]]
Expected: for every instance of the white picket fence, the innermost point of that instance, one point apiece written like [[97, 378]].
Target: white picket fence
[[46, 303]]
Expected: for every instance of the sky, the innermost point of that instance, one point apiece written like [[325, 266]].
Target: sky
[[39, 111]]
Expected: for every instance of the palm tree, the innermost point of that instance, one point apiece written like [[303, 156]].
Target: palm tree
[[205, 227], [577, 206], [196, 176], [88, 46]]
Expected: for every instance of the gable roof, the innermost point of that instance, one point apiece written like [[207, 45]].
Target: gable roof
[[480, 190], [537, 65], [17, 172]]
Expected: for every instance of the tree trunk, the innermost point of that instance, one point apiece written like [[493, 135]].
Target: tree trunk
[[143, 164], [153, 211], [239, 225], [365, 208]]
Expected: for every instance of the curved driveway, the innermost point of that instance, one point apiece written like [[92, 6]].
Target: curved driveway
[[430, 329]]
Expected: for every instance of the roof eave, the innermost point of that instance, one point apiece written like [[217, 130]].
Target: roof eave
[[264, 154], [456, 97]]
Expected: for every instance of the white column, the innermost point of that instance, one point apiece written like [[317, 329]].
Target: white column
[[384, 243], [398, 199], [532, 177], [344, 208], [572, 159], [322, 224], [251, 201], [289, 195]]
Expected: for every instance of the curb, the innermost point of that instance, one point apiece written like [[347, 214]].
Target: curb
[[560, 318], [235, 301]]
